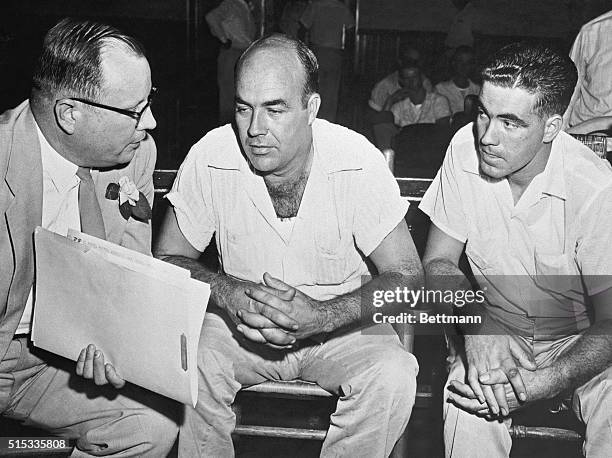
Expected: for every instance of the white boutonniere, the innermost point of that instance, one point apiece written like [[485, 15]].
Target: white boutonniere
[[132, 202]]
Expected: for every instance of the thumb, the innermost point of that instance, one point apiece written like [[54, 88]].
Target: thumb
[[523, 357], [287, 292]]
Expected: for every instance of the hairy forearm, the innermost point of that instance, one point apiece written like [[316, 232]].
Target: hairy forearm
[[358, 307], [589, 356], [444, 275], [222, 287]]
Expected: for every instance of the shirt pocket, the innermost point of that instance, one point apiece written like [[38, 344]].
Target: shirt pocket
[[331, 256], [554, 272], [240, 255]]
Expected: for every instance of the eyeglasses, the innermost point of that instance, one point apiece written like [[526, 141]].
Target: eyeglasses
[[132, 114]]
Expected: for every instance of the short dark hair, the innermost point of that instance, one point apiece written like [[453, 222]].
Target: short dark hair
[[539, 70], [70, 60], [306, 57]]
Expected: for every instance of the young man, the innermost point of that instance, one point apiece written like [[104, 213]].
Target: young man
[[530, 206]]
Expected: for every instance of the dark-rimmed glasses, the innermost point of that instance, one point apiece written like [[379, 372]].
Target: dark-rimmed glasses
[[132, 114]]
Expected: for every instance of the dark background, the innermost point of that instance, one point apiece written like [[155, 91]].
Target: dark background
[[182, 51]]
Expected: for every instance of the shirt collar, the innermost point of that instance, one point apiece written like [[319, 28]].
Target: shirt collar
[[553, 176], [58, 169]]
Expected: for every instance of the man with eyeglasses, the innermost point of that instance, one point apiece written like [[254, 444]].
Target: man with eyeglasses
[[83, 128]]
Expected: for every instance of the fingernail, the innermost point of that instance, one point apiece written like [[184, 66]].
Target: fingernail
[[239, 313], [504, 412], [97, 354], [295, 326], [522, 396], [484, 377], [247, 291]]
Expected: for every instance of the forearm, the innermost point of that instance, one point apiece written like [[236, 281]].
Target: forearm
[[222, 287], [589, 356], [445, 276], [358, 307]]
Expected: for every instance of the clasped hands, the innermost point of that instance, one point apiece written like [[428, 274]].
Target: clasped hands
[[275, 314], [501, 376]]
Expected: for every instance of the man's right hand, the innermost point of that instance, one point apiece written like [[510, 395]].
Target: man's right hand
[[500, 351], [270, 326], [396, 97]]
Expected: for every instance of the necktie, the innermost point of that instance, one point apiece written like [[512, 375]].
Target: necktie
[[89, 207]]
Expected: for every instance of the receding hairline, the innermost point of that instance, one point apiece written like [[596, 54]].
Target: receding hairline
[[267, 47]]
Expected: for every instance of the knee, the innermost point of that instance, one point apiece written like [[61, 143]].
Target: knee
[[396, 373]]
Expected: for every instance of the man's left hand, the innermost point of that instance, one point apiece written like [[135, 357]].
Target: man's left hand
[[305, 310], [90, 365], [537, 385]]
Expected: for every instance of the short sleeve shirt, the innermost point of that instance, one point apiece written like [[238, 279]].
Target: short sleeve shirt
[[456, 95], [387, 86], [540, 257], [350, 204], [592, 54], [434, 107]]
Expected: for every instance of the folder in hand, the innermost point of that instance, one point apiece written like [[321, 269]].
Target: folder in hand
[[145, 315]]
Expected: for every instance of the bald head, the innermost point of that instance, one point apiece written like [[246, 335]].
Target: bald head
[[281, 50]]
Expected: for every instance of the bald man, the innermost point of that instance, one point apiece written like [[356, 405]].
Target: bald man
[[297, 204]]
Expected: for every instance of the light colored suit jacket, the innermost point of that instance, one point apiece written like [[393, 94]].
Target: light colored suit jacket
[[21, 210]]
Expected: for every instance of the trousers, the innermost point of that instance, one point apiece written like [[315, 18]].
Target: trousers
[[374, 377], [41, 390]]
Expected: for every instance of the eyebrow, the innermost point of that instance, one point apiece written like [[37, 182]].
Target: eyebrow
[[272, 103], [507, 116], [269, 103]]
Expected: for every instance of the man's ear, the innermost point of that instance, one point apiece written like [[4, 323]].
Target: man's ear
[[66, 115], [314, 102], [552, 127]]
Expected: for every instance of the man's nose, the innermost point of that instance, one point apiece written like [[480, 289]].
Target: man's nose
[[147, 120], [257, 125], [489, 136]]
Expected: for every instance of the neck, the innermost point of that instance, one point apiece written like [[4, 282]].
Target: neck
[[43, 114], [287, 193], [520, 180]]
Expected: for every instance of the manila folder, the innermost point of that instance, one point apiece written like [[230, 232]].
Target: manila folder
[[145, 321]]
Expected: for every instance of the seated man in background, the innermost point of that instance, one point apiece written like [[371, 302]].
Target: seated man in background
[[460, 85], [532, 207], [84, 126], [410, 104], [391, 83], [296, 205]]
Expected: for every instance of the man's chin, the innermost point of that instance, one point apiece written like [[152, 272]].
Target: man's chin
[[491, 171]]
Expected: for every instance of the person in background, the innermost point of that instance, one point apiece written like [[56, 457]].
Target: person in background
[[460, 85], [592, 55], [83, 128], [391, 83], [465, 22], [233, 24], [410, 104], [328, 22], [289, 23]]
